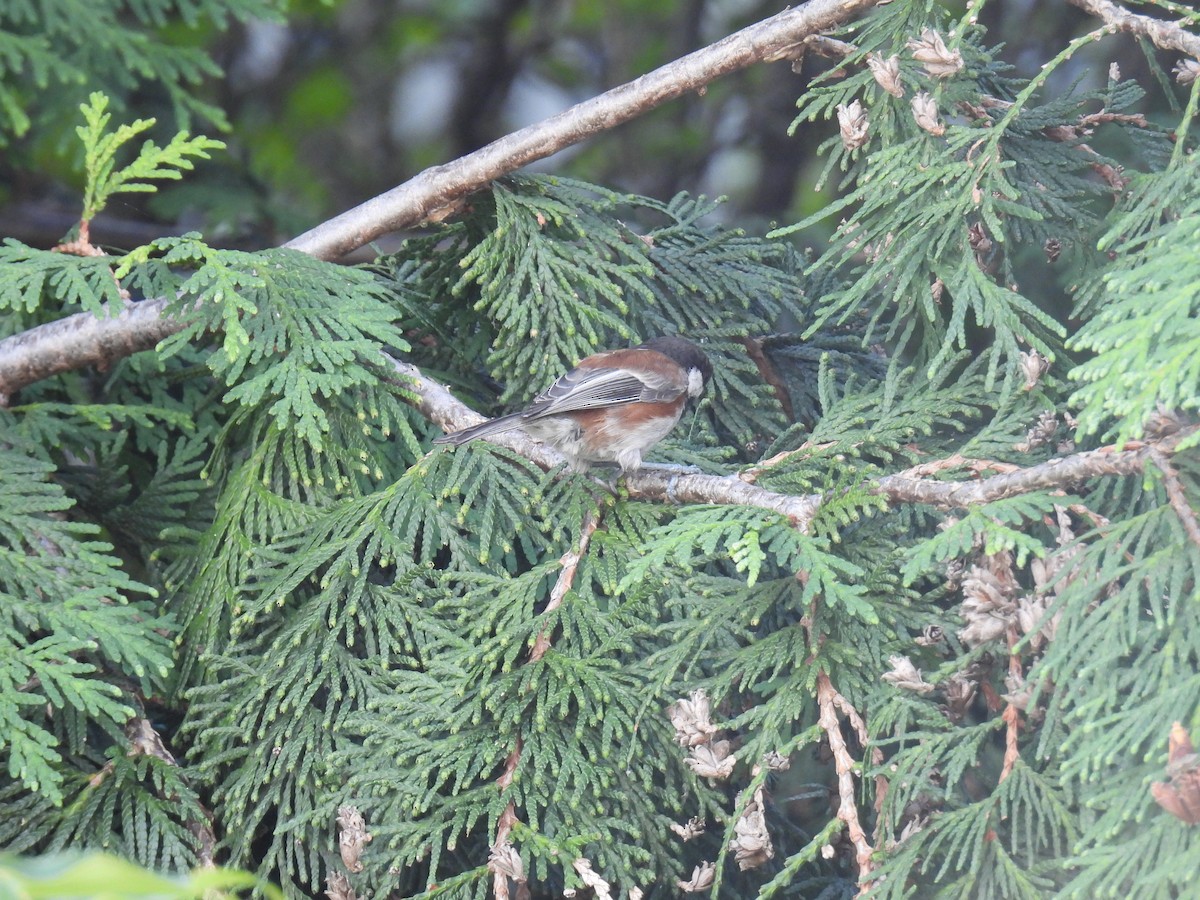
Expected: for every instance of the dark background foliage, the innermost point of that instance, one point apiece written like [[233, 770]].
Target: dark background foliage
[[336, 103]]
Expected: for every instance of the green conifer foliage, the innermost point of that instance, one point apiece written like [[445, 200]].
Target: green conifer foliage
[[246, 601]]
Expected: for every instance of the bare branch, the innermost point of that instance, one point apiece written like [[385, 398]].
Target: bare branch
[[435, 194], [431, 195], [503, 861], [1164, 35], [81, 340], [1050, 475]]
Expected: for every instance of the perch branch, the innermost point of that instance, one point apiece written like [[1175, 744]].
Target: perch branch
[[445, 410], [436, 193], [451, 414], [1164, 35]]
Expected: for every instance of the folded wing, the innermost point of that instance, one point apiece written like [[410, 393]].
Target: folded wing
[[582, 389]]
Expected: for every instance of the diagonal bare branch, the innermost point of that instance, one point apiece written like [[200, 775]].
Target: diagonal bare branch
[[436, 193], [1176, 496]]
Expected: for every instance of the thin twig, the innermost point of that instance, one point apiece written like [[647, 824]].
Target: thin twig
[[144, 740], [752, 474], [828, 701], [766, 368], [434, 194], [860, 729], [1012, 715], [566, 577], [957, 461], [1176, 496]]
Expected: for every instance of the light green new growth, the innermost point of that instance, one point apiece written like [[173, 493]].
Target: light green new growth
[[105, 177]]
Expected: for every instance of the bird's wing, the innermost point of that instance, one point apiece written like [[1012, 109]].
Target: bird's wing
[[592, 388]]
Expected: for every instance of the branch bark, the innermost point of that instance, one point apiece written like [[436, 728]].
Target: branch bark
[[1050, 475], [81, 340], [1164, 35], [434, 194]]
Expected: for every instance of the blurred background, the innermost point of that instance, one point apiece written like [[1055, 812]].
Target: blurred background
[[325, 105]]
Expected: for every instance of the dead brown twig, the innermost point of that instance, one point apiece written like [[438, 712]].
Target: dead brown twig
[[566, 577], [828, 702], [1012, 715], [766, 368], [503, 862], [1176, 496]]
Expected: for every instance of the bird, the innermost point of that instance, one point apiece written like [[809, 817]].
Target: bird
[[612, 407]]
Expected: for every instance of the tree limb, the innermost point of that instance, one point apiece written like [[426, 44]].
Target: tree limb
[[434, 194], [81, 340], [1164, 35]]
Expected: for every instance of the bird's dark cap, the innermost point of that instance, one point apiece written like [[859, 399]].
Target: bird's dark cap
[[683, 352]]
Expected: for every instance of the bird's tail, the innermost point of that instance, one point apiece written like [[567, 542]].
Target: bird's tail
[[483, 429]]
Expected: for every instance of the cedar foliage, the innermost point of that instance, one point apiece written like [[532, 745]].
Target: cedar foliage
[[243, 542]]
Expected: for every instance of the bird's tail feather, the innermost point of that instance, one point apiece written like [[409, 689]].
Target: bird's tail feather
[[482, 430]]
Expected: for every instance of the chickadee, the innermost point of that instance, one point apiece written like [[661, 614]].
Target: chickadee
[[612, 407]]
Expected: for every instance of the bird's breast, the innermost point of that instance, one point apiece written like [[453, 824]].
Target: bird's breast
[[609, 434]]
